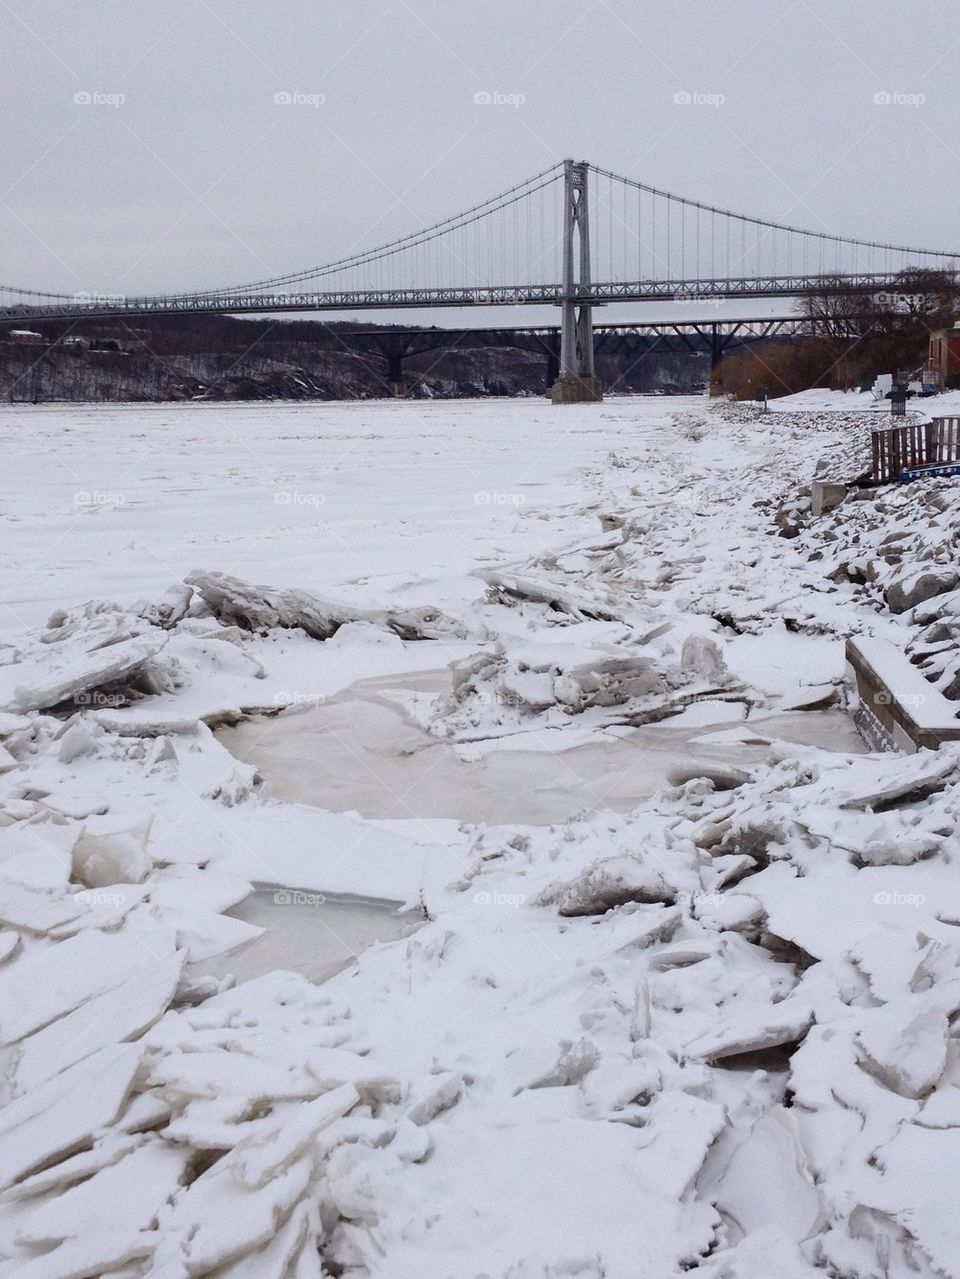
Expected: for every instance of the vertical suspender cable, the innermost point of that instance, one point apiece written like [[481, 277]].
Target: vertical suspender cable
[[610, 238], [626, 235], [655, 259], [713, 246], [639, 235]]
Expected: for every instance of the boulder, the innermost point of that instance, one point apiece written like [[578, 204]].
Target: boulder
[[906, 592]]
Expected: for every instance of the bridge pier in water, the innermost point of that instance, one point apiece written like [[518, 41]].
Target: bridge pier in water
[[578, 382]]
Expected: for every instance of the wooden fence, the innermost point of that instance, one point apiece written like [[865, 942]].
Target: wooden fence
[[917, 445], [943, 442]]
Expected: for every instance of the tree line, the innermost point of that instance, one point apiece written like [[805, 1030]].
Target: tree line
[[854, 335]]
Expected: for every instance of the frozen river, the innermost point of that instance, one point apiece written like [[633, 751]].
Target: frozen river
[[349, 499], [501, 957], [358, 752], [309, 933]]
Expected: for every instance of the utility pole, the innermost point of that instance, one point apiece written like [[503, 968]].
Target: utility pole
[[577, 383]]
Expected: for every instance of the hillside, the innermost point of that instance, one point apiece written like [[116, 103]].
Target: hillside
[[221, 358]]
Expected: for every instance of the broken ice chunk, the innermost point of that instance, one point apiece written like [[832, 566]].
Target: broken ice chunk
[[609, 882], [119, 857], [904, 1047], [49, 1122], [35, 684], [767, 1182]]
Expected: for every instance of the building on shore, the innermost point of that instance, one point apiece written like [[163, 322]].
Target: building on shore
[[944, 354]]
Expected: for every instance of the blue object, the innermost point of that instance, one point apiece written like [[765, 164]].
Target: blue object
[[918, 472]]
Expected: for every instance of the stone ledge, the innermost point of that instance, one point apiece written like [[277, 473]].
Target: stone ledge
[[898, 709]]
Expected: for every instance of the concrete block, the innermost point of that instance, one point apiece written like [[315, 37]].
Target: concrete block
[[825, 495]]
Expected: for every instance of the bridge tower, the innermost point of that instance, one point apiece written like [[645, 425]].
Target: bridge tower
[[577, 383]]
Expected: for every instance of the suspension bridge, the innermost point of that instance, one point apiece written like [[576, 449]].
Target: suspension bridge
[[575, 236]]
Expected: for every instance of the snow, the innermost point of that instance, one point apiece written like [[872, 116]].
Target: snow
[[28, 686], [532, 910], [64, 1111], [946, 404], [766, 1181], [209, 496], [928, 707]]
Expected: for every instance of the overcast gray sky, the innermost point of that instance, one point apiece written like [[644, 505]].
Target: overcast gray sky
[[143, 149]]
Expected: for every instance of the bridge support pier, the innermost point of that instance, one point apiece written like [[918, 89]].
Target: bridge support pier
[[395, 373], [718, 349], [577, 383]]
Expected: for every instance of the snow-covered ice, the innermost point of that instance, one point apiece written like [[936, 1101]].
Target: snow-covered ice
[[434, 841]]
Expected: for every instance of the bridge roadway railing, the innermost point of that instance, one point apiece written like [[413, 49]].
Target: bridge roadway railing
[[400, 299]]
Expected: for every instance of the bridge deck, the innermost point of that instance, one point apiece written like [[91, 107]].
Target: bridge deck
[[678, 291]]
